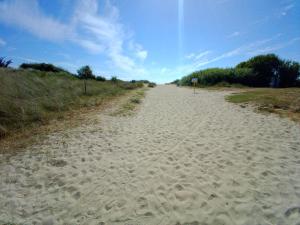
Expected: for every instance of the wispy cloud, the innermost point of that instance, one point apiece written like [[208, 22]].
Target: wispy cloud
[[195, 56], [257, 47], [27, 15], [2, 42], [98, 33], [242, 50], [234, 34], [275, 47], [138, 50], [286, 9]]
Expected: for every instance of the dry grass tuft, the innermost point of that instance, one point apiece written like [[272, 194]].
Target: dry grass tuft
[[131, 104]]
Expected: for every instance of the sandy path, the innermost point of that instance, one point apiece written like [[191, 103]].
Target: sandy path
[[181, 159]]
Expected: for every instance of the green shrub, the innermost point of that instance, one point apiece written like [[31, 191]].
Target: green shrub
[[42, 67], [152, 84], [270, 70], [213, 76], [100, 78], [260, 71]]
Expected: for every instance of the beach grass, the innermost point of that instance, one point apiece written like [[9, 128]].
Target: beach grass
[[128, 108], [285, 101], [31, 97]]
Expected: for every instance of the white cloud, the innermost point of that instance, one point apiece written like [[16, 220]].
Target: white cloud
[[98, 33], [2, 42], [27, 15], [106, 34], [142, 54], [138, 50]]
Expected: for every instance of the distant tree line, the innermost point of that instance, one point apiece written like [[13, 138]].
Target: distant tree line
[[260, 71]]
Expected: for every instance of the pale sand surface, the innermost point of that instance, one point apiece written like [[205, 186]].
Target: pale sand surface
[[180, 159]]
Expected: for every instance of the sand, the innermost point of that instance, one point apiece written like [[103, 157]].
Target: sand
[[182, 158]]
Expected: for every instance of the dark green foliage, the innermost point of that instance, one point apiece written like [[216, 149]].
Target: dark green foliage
[[85, 72], [4, 63], [210, 77], [260, 71], [289, 74], [265, 67], [151, 84], [100, 78], [114, 79], [42, 67]]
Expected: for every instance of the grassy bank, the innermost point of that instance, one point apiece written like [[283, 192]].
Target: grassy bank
[[285, 102], [29, 97]]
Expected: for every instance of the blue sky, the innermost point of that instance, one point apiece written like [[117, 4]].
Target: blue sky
[[159, 40]]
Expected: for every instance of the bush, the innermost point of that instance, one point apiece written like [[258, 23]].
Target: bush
[[260, 71], [99, 78], [152, 84], [210, 77], [289, 74], [42, 67]]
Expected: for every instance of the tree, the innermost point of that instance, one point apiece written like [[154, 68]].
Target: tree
[[85, 73], [265, 68], [5, 63], [289, 73], [114, 79]]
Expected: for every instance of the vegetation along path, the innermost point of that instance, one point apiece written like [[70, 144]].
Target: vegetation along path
[[182, 158]]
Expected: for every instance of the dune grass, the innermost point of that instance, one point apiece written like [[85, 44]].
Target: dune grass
[[127, 108], [29, 97], [285, 102]]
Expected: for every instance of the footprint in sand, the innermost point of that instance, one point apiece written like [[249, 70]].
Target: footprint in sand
[[292, 212]]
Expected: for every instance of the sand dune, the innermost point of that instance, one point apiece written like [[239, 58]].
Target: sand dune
[[183, 158]]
